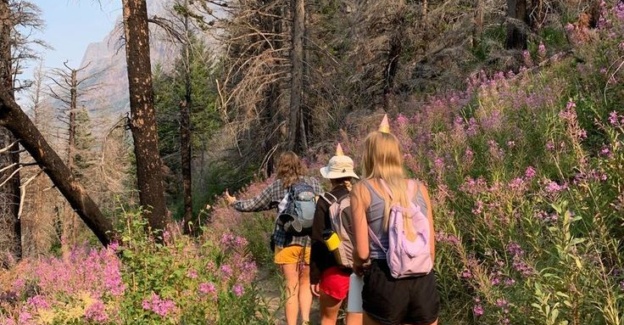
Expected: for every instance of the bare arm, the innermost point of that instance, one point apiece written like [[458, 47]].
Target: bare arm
[[360, 201]]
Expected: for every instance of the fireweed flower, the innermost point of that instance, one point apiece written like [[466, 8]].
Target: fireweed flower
[[226, 271], [516, 184], [478, 310], [478, 207], [443, 237], [96, 312], [509, 282], [207, 288], [402, 120], [613, 118], [192, 274], [238, 290], [162, 307], [24, 317], [439, 163], [522, 267], [514, 249], [528, 61], [19, 285], [554, 187], [38, 301]]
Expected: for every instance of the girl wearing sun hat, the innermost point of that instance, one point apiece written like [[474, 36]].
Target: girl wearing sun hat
[[328, 280]]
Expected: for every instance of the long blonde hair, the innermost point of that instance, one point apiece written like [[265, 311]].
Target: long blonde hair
[[382, 160], [289, 168]]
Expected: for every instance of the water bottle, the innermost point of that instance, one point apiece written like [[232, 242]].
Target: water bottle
[[331, 240], [354, 302]]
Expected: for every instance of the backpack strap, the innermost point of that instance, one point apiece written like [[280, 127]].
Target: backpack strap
[[421, 198], [386, 188], [372, 235], [410, 194], [332, 198]]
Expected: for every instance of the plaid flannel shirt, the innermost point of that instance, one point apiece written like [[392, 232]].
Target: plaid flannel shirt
[[269, 198]]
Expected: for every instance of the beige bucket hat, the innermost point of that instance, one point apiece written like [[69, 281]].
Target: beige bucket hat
[[339, 166]]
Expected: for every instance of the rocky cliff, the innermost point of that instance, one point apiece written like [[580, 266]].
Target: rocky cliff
[[105, 68]]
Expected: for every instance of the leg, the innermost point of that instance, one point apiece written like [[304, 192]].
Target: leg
[[355, 318], [305, 294], [330, 307], [291, 279]]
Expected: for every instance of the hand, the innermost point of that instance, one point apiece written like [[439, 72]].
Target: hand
[[315, 288], [360, 267], [230, 199]]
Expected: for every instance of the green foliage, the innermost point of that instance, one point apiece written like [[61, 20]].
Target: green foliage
[[170, 90], [186, 281]]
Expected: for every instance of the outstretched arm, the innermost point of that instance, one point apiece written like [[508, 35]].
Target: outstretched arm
[[260, 202]]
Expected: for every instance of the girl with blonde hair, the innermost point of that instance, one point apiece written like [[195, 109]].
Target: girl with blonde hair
[[386, 300]]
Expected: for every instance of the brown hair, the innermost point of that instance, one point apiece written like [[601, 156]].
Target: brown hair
[[289, 168], [346, 181]]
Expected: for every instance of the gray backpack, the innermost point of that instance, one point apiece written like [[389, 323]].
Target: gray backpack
[[298, 215], [342, 225]]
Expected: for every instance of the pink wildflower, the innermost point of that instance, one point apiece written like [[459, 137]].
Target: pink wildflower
[[96, 312], [238, 290]]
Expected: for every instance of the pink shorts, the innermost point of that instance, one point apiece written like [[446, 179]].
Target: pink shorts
[[335, 282]]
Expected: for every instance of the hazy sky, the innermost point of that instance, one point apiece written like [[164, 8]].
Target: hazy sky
[[70, 25]]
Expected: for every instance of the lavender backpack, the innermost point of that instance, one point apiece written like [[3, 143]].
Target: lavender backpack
[[407, 258]]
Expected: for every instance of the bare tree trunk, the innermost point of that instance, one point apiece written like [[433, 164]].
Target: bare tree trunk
[[143, 121], [71, 145], [185, 129], [478, 29], [296, 125], [13, 118], [516, 37], [394, 55], [307, 123], [10, 192], [185, 158], [69, 225]]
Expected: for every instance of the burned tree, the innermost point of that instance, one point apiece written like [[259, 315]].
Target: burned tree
[[9, 154], [143, 117], [297, 141], [518, 19], [67, 88], [13, 118]]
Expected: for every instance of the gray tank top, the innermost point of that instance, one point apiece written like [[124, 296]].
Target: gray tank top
[[374, 216]]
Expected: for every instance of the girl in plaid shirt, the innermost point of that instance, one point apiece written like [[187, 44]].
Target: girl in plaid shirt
[[292, 253]]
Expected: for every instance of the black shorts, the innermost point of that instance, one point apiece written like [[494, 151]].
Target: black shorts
[[392, 301]]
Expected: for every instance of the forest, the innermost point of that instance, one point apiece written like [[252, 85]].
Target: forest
[[509, 110]]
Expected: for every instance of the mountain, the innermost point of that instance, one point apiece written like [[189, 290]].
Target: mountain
[[106, 82]]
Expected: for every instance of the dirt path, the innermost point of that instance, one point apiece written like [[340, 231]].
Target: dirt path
[[270, 285]]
